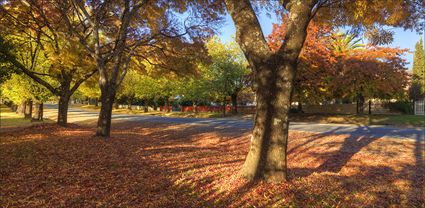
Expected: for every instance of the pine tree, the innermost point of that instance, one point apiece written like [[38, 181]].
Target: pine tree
[[419, 65]]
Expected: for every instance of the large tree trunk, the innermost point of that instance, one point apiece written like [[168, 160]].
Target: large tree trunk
[[267, 155], [28, 109], [38, 111], [235, 103], [105, 115], [63, 109], [274, 74]]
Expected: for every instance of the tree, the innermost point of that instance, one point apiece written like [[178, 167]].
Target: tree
[[275, 71], [42, 51], [227, 70], [117, 33], [419, 66], [22, 90]]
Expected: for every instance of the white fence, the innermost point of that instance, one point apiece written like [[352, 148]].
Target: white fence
[[420, 107]]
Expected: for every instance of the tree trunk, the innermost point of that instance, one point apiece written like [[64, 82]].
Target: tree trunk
[[360, 103], [96, 102], [28, 109], [21, 108], [224, 106], [38, 111], [155, 105], [299, 107], [63, 109], [105, 115], [130, 101], [167, 104], [234, 103], [267, 155]]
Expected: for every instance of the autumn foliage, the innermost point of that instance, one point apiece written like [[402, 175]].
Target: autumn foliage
[[331, 68]]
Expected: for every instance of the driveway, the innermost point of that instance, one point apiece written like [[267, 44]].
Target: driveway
[[76, 115]]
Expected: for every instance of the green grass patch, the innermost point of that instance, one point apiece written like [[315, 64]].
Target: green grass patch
[[158, 113], [394, 120], [8, 118]]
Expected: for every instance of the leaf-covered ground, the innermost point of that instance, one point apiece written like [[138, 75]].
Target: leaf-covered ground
[[155, 165]]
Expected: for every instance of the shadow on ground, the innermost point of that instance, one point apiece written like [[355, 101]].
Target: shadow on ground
[[159, 165]]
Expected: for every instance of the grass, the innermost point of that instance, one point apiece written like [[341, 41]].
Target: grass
[[10, 119], [162, 165], [158, 113], [394, 120]]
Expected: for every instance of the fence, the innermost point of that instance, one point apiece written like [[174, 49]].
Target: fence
[[216, 109], [420, 107], [372, 107]]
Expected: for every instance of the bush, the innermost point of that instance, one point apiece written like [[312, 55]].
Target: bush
[[401, 107]]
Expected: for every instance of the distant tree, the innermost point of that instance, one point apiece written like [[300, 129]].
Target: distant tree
[[42, 50], [227, 70], [23, 91], [419, 66]]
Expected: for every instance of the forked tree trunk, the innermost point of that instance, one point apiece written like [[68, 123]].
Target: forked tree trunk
[[63, 109], [267, 154], [274, 74], [28, 109], [105, 114]]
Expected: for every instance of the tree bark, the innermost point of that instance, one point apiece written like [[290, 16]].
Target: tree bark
[[38, 111], [267, 155], [224, 106], [105, 115], [28, 109], [360, 103], [21, 108], [274, 75], [235, 103], [130, 101], [63, 109], [167, 104]]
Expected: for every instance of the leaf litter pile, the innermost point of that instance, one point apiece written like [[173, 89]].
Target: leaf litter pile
[[158, 165]]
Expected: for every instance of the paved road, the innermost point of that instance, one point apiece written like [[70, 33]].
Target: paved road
[[76, 115]]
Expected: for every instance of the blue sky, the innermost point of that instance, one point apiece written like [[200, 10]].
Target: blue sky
[[402, 39]]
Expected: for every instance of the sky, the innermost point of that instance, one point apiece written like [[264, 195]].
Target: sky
[[402, 39]]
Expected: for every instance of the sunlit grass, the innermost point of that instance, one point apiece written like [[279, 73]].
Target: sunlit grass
[[8, 118], [158, 113]]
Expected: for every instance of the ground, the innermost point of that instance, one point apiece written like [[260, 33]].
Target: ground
[[149, 164]]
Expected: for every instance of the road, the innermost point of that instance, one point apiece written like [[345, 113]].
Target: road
[[76, 115]]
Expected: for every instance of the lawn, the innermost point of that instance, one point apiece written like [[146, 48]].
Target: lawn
[[158, 165], [10, 119], [393, 120], [158, 113]]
